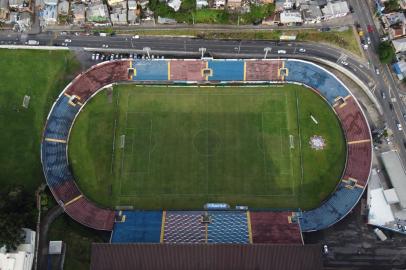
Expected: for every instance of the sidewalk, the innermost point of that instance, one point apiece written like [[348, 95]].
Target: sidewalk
[[334, 23]]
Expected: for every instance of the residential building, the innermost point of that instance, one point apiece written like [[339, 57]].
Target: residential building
[[132, 4], [78, 12], [174, 4], [4, 10], [400, 69], [201, 4], [51, 2], [133, 16], [114, 2], [24, 22], [396, 31], [217, 4], [399, 45], [394, 18], [233, 4], [274, 19], [335, 9], [291, 17], [17, 4], [49, 16], [23, 257], [311, 13], [63, 8], [98, 13], [281, 5], [118, 14], [402, 4]]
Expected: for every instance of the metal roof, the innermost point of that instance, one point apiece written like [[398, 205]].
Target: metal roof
[[396, 174], [205, 256]]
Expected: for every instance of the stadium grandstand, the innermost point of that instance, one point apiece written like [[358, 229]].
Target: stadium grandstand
[[229, 226]]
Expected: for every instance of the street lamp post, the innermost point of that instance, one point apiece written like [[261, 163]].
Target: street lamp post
[[147, 50], [202, 51], [266, 50]]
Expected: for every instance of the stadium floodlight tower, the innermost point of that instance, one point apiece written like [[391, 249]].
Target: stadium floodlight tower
[[147, 50], [202, 50], [267, 50]]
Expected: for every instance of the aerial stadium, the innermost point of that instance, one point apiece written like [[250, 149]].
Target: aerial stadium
[[207, 151]]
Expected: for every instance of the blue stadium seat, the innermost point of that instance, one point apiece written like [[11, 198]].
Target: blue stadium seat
[[150, 70], [138, 227], [315, 77], [228, 227], [331, 211], [226, 70]]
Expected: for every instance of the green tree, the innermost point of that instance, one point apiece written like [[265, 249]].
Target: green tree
[[17, 210], [386, 52], [392, 5]]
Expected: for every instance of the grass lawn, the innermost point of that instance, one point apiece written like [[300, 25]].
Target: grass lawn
[[41, 75], [185, 146], [78, 240]]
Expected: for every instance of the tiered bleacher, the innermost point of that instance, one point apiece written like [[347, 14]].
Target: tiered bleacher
[[184, 227], [331, 211], [137, 227], [278, 227], [201, 227], [98, 76], [228, 227], [319, 79]]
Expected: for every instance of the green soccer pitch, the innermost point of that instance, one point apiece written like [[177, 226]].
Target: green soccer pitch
[[157, 147]]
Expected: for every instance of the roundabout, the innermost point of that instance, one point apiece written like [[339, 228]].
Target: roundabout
[[166, 226]]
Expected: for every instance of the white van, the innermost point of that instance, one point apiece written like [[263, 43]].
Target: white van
[[281, 51], [380, 234]]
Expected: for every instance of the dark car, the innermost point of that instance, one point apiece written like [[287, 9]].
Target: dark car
[[280, 24], [370, 29], [404, 143], [325, 29], [257, 22], [391, 106]]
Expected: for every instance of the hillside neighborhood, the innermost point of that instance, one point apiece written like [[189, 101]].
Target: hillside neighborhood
[[19, 13]]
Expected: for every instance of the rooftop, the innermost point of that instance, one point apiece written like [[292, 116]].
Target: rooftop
[[208, 256], [396, 174]]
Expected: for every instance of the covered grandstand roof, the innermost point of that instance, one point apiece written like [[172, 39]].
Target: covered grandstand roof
[[208, 256], [396, 174]]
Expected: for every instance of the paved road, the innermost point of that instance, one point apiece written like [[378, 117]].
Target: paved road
[[385, 85]]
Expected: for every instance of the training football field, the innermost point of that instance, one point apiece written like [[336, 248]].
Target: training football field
[[180, 147]]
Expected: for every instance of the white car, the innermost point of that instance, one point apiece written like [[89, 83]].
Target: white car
[[377, 71], [302, 50], [93, 56], [344, 63], [68, 40], [281, 52], [105, 46], [136, 37], [399, 126], [369, 40]]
